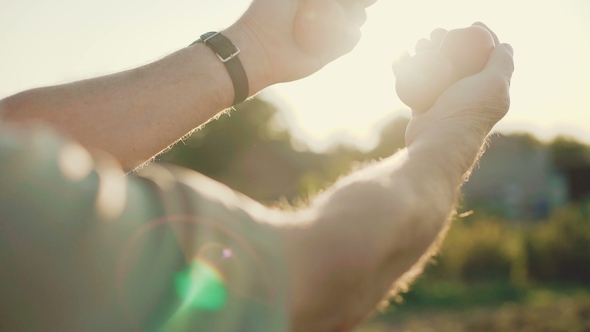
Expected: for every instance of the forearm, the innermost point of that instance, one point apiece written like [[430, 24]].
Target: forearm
[[138, 113], [135, 114], [424, 184], [387, 216], [416, 188]]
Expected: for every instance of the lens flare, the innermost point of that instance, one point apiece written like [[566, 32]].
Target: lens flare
[[203, 268], [201, 286]]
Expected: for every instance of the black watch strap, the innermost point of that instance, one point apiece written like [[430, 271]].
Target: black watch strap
[[227, 52]]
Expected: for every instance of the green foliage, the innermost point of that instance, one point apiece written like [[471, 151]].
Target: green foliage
[[567, 152], [433, 293], [541, 309], [248, 151], [480, 248], [213, 149], [559, 250], [487, 263], [484, 249], [489, 268], [492, 275]]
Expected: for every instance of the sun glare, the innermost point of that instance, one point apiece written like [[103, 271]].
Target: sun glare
[[350, 97]]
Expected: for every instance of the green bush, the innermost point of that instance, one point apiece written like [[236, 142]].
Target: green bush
[[480, 249], [487, 261], [559, 250]]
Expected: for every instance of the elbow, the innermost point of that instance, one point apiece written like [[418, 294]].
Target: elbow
[[6, 107], [13, 108]]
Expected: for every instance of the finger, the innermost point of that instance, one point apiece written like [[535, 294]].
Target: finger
[[399, 61], [357, 14], [352, 35], [349, 37], [321, 26], [367, 3], [355, 10], [423, 78], [496, 40], [425, 45], [364, 3], [437, 35], [501, 61]]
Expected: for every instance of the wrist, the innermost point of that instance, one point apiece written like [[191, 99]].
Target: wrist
[[450, 146], [252, 55], [474, 121]]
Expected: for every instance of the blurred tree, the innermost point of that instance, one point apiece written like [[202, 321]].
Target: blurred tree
[[572, 158], [247, 151], [568, 153], [559, 251], [391, 139]]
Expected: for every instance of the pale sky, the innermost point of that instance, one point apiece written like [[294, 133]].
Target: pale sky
[[51, 42]]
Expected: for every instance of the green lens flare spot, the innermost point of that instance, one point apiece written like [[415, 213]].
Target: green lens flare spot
[[200, 286]]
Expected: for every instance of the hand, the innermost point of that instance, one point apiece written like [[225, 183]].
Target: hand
[[483, 97], [296, 38]]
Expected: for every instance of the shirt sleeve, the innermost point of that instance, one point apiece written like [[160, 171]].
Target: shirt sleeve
[[84, 247]]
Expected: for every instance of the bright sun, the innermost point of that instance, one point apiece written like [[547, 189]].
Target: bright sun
[[347, 98]]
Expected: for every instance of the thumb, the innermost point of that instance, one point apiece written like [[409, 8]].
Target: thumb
[[322, 27], [501, 61]]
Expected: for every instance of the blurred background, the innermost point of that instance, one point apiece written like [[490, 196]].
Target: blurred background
[[518, 255], [516, 259]]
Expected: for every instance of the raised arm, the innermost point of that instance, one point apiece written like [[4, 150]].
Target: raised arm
[[133, 115], [375, 229], [111, 260]]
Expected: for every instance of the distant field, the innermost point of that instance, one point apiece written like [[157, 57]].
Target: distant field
[[542, 309]]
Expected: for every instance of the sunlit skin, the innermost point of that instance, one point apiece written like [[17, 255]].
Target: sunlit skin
[[103, 43], [355, 244], [318, 21], [421, 79], [468, 49], [103, 111], [439, 62]]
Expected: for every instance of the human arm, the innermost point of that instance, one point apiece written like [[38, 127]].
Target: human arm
[[343, 252], [380, 226], [68, 231], [133, 115]]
